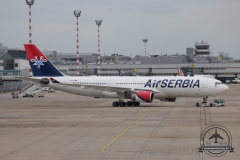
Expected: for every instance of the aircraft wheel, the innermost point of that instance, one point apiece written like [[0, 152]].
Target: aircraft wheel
[[136, 103], [115, 104], [122, 104], [129, 103], [197, 105]]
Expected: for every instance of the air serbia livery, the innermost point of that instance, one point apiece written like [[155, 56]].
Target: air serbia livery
[[136, 89]]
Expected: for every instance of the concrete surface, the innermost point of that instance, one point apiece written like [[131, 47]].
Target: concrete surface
[[62, 126]]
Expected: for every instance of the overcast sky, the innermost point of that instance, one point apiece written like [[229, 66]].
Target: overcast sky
[[169, 25]]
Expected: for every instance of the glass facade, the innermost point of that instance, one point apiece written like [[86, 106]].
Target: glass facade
[[17, 54], [202, 47]]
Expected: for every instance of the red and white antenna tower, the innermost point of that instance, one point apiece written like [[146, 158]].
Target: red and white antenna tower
[[98, 23], [145, 49], [77, 14], [30, 3]]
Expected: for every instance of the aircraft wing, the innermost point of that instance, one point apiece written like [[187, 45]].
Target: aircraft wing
[[112, 88], [96, 87], [28, 79], [213, 136], [218, 135]]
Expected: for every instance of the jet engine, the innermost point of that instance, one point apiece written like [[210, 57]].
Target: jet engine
[[44, 81], [168, 99], [143, 96]]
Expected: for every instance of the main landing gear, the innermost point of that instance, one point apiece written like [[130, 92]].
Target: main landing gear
[[121, 103]]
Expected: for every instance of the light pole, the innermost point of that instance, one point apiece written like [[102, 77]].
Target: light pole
[[86, 65], [98, 23], [145, 41], [30, 3], [77, 14]]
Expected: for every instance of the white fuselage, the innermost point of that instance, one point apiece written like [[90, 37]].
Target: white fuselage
[[160, 86], [237, 80]]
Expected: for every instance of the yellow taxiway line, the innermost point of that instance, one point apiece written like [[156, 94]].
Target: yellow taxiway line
[[104, 148]]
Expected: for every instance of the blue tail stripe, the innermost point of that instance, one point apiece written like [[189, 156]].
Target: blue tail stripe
[[46, 69]]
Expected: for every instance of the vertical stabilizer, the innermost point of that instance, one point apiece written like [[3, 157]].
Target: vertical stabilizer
[[180, 72], [39, 63]]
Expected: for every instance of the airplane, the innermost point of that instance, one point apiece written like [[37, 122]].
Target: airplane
[[180, 73], [216, 136], [137, 89], [236, 80]]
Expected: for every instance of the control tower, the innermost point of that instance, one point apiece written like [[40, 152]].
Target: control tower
[[202, 48]]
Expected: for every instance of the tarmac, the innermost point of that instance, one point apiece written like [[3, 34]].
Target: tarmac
[[63, 126]]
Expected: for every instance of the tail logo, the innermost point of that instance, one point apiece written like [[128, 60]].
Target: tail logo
[[54, 80], [39, 62]]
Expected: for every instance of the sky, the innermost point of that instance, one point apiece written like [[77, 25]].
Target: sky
[[170, 26]]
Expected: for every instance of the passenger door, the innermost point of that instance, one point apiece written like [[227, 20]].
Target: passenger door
[[204, 83]]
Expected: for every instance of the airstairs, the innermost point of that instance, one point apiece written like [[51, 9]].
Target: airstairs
[[30, 90], [30, 87]]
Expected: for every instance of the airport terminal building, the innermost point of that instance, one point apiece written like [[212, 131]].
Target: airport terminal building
[[197, 60]]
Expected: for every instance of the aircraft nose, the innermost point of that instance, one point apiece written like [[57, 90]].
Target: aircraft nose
[[225, 87]]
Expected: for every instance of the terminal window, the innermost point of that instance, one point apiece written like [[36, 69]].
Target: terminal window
[[15, 73]]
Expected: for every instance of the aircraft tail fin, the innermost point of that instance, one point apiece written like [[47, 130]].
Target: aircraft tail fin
[[40, 64], [180, 72]]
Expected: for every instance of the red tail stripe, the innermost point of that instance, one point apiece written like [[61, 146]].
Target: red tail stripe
[[33, 51]]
